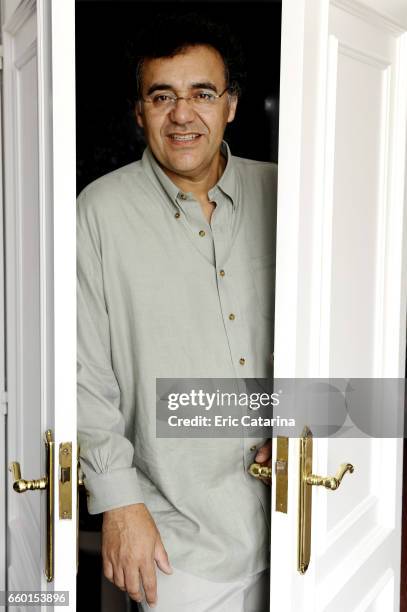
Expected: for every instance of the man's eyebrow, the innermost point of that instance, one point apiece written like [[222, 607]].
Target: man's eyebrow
[[158, 87], [205, 85], [166, 86]]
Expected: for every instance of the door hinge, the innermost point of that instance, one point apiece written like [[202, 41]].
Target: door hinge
[[1, 57], [4, 401]]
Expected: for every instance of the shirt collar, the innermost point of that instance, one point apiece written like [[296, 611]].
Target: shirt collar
[[227, 182]]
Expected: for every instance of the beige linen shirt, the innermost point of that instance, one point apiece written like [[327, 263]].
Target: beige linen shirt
[[156, 287]]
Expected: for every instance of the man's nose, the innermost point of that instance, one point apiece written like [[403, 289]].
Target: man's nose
[[182, 111]]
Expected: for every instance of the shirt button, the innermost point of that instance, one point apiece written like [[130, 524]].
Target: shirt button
[[177, 215], [232, 316], [253, 448], [242, 360], [202, 233], [222, 272], [183, 196]]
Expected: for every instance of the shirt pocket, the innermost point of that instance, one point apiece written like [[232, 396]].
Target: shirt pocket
[[264, 269]]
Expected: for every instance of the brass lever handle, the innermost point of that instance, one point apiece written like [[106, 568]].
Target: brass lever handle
[[330, 482], [306, 481], [260, 471], [20, 485], [46, 482]]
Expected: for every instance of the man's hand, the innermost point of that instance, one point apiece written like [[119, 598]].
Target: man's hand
[[264, 455], [131, 545]]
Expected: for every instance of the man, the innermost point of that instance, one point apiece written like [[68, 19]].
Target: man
[[175, 280]]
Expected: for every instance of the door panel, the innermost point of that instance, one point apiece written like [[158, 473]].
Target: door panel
[[39, 252], [341, 289], [22, 212], [366, 60]]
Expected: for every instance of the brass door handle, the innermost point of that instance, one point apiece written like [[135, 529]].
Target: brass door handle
[[260, 471], [20, 485], [45, 483], [330, 482], [306, 481]]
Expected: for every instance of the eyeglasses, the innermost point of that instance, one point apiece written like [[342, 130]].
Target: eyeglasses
[[202, 99]]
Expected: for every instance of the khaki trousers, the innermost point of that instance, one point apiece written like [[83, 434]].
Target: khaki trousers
[[183, 592]]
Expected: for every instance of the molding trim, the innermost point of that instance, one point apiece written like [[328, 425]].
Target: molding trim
[[365, 58], [23, 12], [358, 9], [333, 584], [25, 57], [23, 544], [359, 513], [384, 587]]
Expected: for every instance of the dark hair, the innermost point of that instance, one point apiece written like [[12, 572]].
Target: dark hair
[[172, 34]]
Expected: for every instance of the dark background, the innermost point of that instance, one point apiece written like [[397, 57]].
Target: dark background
[[107, 135]]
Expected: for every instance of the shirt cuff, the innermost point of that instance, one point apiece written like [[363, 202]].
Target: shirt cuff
[[110, 490]]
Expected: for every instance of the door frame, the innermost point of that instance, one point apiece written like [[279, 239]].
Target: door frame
[[3, 394]]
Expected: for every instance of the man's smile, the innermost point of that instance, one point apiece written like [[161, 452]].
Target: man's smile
[[184, 137], [179, 139]]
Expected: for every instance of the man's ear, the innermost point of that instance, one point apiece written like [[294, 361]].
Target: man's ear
[[232, 108], [139, 114]]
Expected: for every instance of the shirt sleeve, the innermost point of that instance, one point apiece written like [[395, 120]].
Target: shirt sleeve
[[106, 455]]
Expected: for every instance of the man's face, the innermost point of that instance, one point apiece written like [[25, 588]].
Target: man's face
[[202, 128]]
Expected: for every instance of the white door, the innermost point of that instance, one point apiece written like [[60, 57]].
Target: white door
[[341, 288], [39, 231]]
